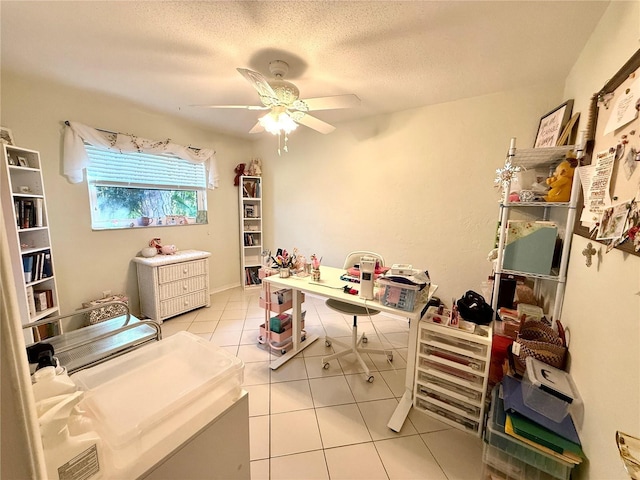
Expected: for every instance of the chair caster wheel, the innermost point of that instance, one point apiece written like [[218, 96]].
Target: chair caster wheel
[[283, 351], [327, 343], [390, 357], [303, 338], [325, 365], [370, 379], [365, 339]]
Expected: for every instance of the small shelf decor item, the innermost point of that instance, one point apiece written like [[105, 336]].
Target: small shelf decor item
[[552, 124]]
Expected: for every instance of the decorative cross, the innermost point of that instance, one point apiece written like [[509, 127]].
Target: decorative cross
[[589, 252]]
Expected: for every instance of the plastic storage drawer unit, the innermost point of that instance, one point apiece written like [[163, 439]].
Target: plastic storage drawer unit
[[519, 452]]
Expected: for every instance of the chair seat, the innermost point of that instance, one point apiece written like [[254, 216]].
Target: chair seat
[[350, 309]]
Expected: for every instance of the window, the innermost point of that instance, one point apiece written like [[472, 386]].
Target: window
[[130, 190]]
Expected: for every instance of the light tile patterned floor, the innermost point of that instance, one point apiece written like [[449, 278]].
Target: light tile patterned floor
[[310, 423]]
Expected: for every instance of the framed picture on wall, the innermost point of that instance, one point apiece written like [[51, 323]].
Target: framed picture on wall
[[552, 124], [6, 136]]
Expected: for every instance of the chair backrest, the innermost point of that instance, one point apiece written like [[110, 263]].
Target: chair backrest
[[354, 258]]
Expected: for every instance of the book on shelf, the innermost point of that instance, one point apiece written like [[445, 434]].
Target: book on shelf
[[29, 212], [31, 302], [27, 267], [40, 297]]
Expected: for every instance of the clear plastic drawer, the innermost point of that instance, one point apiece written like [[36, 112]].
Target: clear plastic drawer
[[452, 341], [469, 377], [473, 363], [448, 399], [429, 379], [449, 415]]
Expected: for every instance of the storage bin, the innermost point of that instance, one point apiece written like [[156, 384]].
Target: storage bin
[[499, 464], [549, 390], [145, 400], [520, 451], [399, 295]]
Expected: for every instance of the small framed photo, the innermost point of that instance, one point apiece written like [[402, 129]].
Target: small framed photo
[[6, 136], [552, 124], [22, 161], [12, 160]]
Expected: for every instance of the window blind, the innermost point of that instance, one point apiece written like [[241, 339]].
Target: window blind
[[142, 170]]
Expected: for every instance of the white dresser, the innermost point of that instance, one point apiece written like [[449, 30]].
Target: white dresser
[[173, 284]]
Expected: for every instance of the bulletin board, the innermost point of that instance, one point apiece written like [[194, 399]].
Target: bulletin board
[[609, 206]]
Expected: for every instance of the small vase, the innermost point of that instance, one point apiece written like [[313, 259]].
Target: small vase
[[284, 273], [315, 274]]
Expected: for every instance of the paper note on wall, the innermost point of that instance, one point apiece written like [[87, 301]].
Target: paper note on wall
[[597, 196], [624, 109]]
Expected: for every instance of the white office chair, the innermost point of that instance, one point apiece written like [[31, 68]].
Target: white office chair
[[346, 308]]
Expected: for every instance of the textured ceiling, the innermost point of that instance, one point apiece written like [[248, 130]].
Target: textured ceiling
[[393, 55]]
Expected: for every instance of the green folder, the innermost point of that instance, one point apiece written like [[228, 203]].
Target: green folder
[[529, 247], [538, 434]]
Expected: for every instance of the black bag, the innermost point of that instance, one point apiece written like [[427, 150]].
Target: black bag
[[473, 308]]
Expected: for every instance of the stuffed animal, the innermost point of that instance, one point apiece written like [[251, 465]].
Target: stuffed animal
[[239, 171], [560, 183], [255, 168]]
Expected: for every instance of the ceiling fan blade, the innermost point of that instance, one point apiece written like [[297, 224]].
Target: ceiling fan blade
[[333, 102], [315, 124], [246, 107], [259, 83], [257, 128]]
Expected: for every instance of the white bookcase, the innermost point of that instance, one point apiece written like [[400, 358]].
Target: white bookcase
[[452, 373], [24, 210], [250, 198], [562, 214]]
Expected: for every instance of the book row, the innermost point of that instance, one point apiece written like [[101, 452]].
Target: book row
[[39, 300], [37, 266], [29, 212]]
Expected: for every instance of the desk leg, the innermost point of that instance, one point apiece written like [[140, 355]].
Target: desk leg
[[404, 406], [298, 345]]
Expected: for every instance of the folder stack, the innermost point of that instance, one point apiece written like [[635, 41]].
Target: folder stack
[[559, 439], [517, 447]]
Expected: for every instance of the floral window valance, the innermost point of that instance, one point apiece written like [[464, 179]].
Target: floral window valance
[[75, 158]]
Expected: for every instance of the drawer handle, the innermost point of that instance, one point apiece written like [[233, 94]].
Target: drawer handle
[[186, 302], [185, 287], [185, 271]]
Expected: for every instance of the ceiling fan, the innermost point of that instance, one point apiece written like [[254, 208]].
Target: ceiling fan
[[282, 99]]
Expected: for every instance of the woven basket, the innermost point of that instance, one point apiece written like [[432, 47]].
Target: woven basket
[[108, 311], [540, 341]]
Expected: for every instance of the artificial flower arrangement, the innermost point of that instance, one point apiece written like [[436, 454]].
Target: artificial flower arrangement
[[284, 259]]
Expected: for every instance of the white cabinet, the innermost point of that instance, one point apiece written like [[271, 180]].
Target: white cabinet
[[548, 284], [173, 284], [24, 210], [250, 196], [452, 371]]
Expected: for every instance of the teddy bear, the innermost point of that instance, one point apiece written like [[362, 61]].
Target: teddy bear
[[560, 183], [239, 171], [255, 168]]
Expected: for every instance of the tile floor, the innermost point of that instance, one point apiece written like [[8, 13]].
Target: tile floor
[[310, 423]]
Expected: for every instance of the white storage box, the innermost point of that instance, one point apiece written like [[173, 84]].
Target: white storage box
[[279, 297], [146, 402], [549, 390]]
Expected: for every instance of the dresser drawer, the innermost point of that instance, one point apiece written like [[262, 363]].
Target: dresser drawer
[[179, 271], [177, 305], [182, 287]]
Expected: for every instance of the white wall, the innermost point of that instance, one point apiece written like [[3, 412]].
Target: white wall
[[88, 262], [602, 303], [415, 186]]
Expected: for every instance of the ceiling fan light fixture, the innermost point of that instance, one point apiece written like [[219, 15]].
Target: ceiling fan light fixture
[[278, 121]]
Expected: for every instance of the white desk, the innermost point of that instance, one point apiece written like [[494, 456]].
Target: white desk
[[330, 286]]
